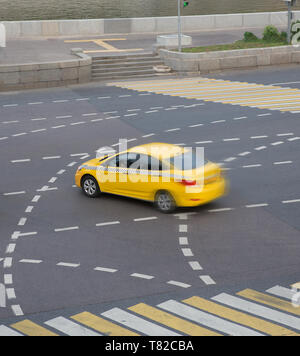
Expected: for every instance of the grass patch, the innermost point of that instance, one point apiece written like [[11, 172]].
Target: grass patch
[[242, 44]]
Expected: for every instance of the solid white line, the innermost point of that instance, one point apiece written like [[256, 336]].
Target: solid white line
[[103, 269], [65, 264], [207, 280], [277, 143], [5, 331], [282, 292], [20, 134], [69, 327], [136, 323], [31, 261], [14, 193], [230, 159], [67, 229], [252, 166], [258, 310], [27, 233], [21, 160], [198, 125], [17, 310], [217, 122], [146, 219], [291, 201], [108, 223], [256, 137], [143, 276], [179, 284], [231, 139], [284, 162], [51, 157], [256, 205], [206, 319], [195, 266], [220, 210], [149, 135], [39, 130]]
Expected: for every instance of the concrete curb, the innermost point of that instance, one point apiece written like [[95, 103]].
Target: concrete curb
[[216, 61], [99, 27], [43, 75]]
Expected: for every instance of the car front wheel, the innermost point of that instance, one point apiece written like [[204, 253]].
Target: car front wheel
[[90, 187], [164, 202]]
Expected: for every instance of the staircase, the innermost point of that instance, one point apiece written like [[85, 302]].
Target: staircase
[[125, 67]]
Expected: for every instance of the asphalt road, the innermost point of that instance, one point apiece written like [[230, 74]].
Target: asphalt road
[[63, 253]]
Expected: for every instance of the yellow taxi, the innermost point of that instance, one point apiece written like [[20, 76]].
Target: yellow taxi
[[168, 175]]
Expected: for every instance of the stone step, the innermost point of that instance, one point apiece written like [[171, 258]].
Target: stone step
[[122, 69], [129, 56], [96, 65], [139, 76], [124, 59], [125, 73]]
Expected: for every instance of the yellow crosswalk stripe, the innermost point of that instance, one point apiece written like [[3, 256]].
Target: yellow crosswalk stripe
[[171, 321], [102, 325], [30, 328], [239, 317], [222, 91], [269, 300]]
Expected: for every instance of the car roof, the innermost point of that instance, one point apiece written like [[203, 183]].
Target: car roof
[[158, 150]]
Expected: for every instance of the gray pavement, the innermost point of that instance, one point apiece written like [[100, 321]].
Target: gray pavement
[[59, 245], [39, 50]]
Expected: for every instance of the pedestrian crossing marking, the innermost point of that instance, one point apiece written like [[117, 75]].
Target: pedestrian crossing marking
[[239, 317], [222, 91], [27, 327], [106, 327], [224, 314], [171, 321], [269, 300]]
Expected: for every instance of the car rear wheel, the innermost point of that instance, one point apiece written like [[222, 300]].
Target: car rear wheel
[[164, 202], [90, 187]]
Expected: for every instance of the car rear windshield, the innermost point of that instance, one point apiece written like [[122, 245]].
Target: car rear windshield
[[189, 160]]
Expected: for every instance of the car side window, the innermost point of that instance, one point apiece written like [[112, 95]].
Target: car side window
[[150, 163]]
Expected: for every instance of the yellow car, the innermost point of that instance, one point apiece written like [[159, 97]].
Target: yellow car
[[170, 176]]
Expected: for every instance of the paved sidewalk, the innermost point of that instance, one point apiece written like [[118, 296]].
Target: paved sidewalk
[[26, 51]]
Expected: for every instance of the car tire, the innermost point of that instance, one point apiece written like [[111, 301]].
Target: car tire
[[165, 202], [90, 187]]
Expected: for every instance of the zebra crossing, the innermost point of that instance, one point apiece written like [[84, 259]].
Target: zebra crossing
[[274, 312], [272, 97]]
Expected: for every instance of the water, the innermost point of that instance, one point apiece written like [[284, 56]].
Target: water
[[15, 10]]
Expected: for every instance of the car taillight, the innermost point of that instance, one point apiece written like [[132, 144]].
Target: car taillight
[[188, 182]]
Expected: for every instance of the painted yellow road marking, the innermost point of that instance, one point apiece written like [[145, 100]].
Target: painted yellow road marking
[[29, 328], [102, 325], [239, 317], [103, 43], [171, 321], [221, 91], [269, 300]]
